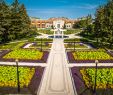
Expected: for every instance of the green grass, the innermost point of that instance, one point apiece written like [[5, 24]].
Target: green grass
[[24, 54], [72, 31], [91, 55], [45, 31], [8, 76]]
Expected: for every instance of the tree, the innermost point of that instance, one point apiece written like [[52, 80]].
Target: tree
[[25, 25], [64, 27], [14, 21], [5, 21], [104, 24], [109, 22]]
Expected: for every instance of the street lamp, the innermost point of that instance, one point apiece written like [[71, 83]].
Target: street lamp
[[74, 44], [41, 44], [96, 62], [18, 83]]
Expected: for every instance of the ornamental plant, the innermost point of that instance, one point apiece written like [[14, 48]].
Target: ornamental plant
[[8, 76], [104, 77], [91, 55], [24, 54]]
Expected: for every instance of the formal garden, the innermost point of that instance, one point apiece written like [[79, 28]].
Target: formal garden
[[29, 77], [37, 51], [19, 43]]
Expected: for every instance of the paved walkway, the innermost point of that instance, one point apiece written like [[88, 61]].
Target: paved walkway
[[57, 78]]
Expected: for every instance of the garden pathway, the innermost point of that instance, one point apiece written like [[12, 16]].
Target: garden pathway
[[57, 78]]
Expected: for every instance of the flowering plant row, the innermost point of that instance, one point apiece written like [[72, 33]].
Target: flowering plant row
[[91, 55], [8, 76], [24, 54], [104, 77]]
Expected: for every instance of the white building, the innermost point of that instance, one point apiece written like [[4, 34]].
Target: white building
[[54, 23]]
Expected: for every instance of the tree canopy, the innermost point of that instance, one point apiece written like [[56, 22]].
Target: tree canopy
[[14, 21]]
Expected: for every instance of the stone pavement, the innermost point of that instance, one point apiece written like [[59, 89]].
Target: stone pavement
[[57, 78]]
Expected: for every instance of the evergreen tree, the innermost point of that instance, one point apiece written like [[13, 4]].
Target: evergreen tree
[[25, 21], [15, 21], [109, 22], [104, 24], [5, 21]]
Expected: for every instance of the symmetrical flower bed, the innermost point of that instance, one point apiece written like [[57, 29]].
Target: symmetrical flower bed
[[104, 77], [89, 56], [24, 54], [37, 45], [8, 76], [84, 80], [77, 45], [11, 45], [29, 78]]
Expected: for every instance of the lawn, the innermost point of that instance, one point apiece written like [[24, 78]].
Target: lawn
[[45, 31], [92, 55], [72, 31], [8, 76], [24, 54]]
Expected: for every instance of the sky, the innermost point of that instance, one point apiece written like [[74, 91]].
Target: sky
[[72, 9]]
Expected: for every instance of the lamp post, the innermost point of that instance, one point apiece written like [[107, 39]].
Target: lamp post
[[96, 62], [74, 44], [18, 83], [41, 44]]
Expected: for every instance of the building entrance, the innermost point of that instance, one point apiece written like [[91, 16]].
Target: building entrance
[[58, 25]]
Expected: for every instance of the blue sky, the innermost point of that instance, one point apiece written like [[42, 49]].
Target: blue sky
[[60, 8]]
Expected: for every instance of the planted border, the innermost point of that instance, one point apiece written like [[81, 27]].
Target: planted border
[[42, 60], [32, 87], [73, 60], [80, 83]]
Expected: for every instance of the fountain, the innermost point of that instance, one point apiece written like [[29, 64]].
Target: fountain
[[58, 33]]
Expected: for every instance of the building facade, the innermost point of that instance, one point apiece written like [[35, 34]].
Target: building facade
[[53, 23]]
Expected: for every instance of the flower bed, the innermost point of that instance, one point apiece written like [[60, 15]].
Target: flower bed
[[3, 52], [24, 55], [84, 80], [77, 45], [27, 77], [89, 56], [12, 45]]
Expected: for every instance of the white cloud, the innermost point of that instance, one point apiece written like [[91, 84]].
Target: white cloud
[[46, 11], [86, 6]]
